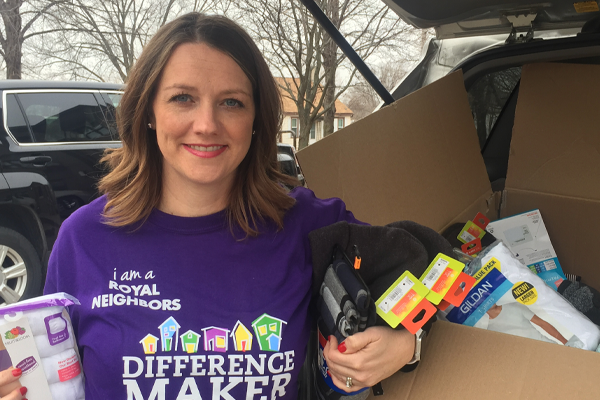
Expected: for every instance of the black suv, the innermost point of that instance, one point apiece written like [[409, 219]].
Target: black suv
[[51, 141], [52, 137]]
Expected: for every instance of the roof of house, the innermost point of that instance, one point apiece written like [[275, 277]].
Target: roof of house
[[289, 107], [149, 336], [170, 321], [267, 316], [211, 328]]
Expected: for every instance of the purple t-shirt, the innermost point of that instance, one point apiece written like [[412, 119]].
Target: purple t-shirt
[[182, 309]]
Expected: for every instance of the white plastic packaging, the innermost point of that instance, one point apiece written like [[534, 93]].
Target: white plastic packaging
[[508, 297], [38, 336]]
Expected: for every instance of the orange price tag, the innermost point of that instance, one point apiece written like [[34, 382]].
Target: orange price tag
[[473, 247], [459, 290], [481, 220], [419, 316], [443, 305]]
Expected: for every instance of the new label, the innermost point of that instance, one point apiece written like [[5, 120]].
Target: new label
[[524, 293]]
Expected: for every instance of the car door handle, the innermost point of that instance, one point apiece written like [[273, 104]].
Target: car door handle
[[36, 160]]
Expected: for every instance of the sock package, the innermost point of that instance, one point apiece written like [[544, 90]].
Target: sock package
[[584, 298], [38, 336], [508, 297]]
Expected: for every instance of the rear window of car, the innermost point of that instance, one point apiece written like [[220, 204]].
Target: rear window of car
[[48, 117], [488, 97]]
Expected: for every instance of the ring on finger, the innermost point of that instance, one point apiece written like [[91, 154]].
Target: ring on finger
[[348, 382]]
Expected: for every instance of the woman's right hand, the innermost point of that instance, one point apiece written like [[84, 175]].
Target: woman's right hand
[[10, 387]]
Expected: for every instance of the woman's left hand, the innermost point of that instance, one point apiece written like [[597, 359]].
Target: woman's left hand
[[368, 357]]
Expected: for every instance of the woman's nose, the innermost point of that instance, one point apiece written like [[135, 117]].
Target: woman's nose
[[206, 119]]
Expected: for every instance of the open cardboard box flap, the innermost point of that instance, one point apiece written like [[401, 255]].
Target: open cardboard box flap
[[554, 162], [555, 147], [419, 159]]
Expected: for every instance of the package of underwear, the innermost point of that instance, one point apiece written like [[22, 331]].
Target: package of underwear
[[508, 297], [38, 337]]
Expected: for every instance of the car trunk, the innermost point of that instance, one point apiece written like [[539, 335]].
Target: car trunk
[[419, 159], [460, 18]]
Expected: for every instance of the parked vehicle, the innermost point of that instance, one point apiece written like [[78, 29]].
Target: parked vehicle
[[490, 41], [51, 140], [292, 170]]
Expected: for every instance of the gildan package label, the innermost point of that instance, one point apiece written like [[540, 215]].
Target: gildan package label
[[526, 237], [497, 304]]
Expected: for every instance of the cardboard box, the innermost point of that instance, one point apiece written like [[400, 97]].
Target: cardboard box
[[419, 159]]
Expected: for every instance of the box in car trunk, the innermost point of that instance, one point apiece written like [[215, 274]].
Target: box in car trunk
[[419, 159]]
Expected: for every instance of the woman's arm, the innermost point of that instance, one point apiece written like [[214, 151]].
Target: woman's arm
[[549, 328], [368, 357]]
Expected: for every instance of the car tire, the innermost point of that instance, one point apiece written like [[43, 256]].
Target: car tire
[[20, 268]]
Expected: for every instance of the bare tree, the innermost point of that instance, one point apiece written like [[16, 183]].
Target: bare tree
[[391, 68], [372, 29], [100, 40], [362, 99], [332, 10], [19, 18], [296, 46]]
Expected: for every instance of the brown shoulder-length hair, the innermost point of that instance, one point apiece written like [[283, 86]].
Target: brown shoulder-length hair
[[134, 184]]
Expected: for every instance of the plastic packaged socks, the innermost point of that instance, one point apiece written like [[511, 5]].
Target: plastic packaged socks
[[43, 321]]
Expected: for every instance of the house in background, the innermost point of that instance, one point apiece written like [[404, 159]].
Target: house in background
[[291, 123]]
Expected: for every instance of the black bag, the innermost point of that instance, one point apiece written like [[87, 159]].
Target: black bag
[[385, 252]]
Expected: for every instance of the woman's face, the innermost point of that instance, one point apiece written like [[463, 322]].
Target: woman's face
[[203, 116]]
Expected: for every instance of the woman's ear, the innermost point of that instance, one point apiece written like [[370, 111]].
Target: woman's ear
[[151, 122]]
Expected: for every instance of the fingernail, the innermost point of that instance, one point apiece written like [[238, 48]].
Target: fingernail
[[342, 347], [329, 338], [23, 391], [17, 372], [328, 373]]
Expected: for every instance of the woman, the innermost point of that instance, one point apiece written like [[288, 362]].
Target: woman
[[193, 270]]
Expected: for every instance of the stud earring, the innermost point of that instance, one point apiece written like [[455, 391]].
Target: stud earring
[[253, 132], [150, 126]]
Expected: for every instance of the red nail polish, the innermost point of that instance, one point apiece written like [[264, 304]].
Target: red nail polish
[[17, 372], [23, 391], [342, 347], [329, 338]]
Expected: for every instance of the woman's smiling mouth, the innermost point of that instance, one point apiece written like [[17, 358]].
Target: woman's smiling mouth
[[209, 151]]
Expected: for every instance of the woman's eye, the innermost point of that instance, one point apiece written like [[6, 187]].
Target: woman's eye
[[180, 98], [232, 103]]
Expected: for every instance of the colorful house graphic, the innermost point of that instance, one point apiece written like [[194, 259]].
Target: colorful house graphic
[[150, 343], [242, 337], [169, 330], [215, 339], [268, 331], [189, 341]]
